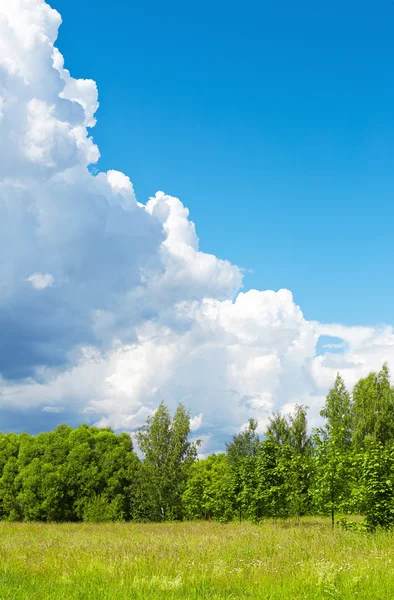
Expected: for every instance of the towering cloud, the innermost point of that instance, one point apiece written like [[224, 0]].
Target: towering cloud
[[107, 306]]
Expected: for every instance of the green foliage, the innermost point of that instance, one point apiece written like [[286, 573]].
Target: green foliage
[[337, 412], [278, 430], [271, 491], [168, 455], [241, 470], [293, 464], [373, 409], [333, 478], [299, 462], [208, 492], [333, 453], [378, 485], [99, 510], [56, 476]]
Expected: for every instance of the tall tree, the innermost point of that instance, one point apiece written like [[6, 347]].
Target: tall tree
[[168, 454], [299, 461], [373, 409], [377, 485], [208, 493], [333, 451], [278, 430], [242, 458], [337, 413], [289, 433], [272, 473]]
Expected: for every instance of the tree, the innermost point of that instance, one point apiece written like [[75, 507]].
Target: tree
[[373, 409], [208, 491], [242, 458], [168, 456], [67, 475], [337, 412], [299, 461], [271, 489], [9, 448], [377, 480], [289, 433], [333, 451], [278, 430], [10, 506]]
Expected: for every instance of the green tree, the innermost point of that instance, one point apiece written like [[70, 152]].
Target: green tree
[[337, 413], [271, 490], [208, 490], [59, 475], [334, 461], [289, 433], [373, 409], [377, 481], [299, 462], [11, 509], [168, 455], [9, 449], [278, 430], [242, 459]]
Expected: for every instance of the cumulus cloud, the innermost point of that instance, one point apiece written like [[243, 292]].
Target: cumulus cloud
[[40, 281], [107, 305]]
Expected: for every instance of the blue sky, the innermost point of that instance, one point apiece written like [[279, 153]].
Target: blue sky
[[272, 121]]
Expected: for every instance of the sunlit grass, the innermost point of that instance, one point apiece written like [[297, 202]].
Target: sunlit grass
[[195, 560]]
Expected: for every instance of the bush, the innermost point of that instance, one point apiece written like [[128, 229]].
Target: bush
[[99, 510]]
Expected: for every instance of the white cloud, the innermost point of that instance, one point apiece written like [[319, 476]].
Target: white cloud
[[40, 281], [366, 349], [196, 422], [138, 313]]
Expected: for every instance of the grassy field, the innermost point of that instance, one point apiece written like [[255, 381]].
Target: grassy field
[[194, 560]]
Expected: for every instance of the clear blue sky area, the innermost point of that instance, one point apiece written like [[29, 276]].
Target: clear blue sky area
[[272, 121]]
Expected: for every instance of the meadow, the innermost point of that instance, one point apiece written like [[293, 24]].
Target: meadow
[[287, 560]]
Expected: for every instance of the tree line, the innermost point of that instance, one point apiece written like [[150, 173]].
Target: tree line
[[90, 474]]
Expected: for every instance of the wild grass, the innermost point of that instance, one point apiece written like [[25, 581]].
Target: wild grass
[[194, 561]]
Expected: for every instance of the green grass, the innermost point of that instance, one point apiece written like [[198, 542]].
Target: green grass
[[194, 561]]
